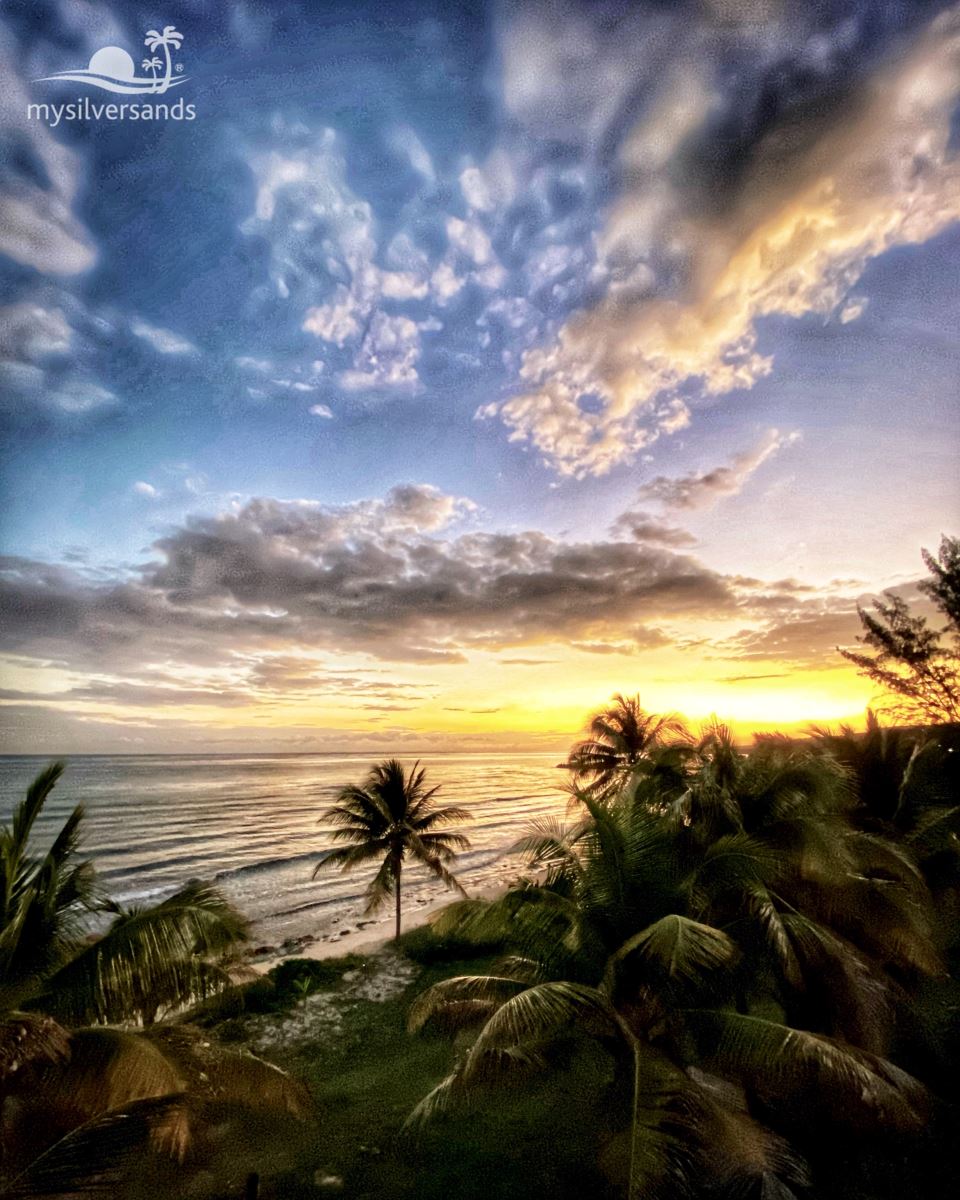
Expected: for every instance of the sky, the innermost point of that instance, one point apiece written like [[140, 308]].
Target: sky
[[457, 366]]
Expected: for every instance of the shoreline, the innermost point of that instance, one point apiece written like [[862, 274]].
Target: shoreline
[[370, 935]]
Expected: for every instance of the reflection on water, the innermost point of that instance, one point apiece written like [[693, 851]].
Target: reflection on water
[[155, 821]]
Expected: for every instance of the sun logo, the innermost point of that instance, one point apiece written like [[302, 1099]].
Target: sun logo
[[113, 70]]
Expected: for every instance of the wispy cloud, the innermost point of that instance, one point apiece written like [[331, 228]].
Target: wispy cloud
[[704, 490], [162, 340]]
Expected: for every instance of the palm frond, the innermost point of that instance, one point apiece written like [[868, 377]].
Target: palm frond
[[224, 1077], [29, 1039], [154, 956], [541, 1012], [108, 1069], [95, 1159], [435, 1104], [789, 1062], [492, 990], [673, 951], [29, 808]]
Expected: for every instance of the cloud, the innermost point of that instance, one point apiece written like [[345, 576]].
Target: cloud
[[643, 528], [320, 410], [387, 356], [395, 578], [853, 309], [323, 240], [80, 396], [161, 340], [814, 201], [30, 332], [36, 371], [802, 635], [697, 491], [406, 142], [142, 488], [39, 228]]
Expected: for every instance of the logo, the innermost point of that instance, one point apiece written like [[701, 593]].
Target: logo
[[112, 69]]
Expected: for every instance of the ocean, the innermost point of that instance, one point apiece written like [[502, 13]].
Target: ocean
[[250, 825]]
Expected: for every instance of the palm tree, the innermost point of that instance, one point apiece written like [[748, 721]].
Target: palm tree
[[169, 37], [743, 930], [624, 741], [109, 1094], [162, 956], [152, 65], [392, 817]]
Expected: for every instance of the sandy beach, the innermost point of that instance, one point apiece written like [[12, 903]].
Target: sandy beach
[[368, 935]]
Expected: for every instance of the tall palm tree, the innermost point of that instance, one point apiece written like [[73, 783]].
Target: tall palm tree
[[169, 37], [624, 740], [391, 817]]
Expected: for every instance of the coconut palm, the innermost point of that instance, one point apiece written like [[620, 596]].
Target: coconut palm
[[109, 1093], [169, 37], [624, 741], [152, 65], [146, 959], [391, 817], [743, 930]]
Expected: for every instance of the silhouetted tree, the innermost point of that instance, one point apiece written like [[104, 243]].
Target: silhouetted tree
[[392, 817], [916, 664]]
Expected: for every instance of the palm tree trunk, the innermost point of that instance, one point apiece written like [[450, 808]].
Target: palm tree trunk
[[167, 74], [634, 1123], [396, 874]]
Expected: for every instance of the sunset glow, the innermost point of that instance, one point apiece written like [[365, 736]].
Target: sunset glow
[[470, 368]]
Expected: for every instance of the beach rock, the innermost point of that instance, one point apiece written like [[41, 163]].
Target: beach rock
[[262, 952]]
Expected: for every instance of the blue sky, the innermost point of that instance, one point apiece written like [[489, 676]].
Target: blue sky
[[552, 265]]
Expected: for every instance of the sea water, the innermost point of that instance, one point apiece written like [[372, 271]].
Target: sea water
[[250, 825]]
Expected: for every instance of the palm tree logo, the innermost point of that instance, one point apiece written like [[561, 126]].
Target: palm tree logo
[[169, 37], [112, 69], [152, 65]]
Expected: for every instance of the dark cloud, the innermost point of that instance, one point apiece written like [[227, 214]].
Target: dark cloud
[[803, 636], [748, 678], [371, 577]]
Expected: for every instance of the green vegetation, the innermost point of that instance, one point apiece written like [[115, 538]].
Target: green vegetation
[[759, 941], [81, 1106], [391, 818]]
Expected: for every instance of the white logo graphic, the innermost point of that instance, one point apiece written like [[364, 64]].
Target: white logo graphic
[[113, 70]]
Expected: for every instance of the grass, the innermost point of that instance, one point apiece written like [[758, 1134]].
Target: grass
[[366, 1080]]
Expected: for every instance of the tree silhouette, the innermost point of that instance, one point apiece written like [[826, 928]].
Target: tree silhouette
[[624, 740], [392, 817], [916, 664]]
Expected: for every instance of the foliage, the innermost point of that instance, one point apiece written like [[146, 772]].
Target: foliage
[[624, 742], [912, 662], [749, 942], [147, 959]]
